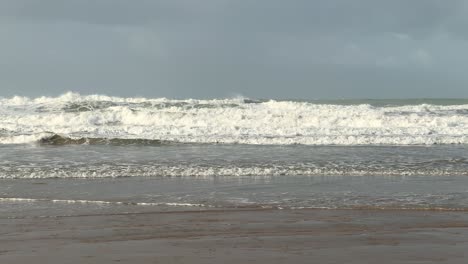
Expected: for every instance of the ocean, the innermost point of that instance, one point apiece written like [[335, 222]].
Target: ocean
[[76, 154]]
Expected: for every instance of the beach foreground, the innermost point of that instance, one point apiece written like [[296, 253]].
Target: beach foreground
[[238, 236]]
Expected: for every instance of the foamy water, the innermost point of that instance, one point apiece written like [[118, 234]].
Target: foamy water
[[76, 117], [102, 152]]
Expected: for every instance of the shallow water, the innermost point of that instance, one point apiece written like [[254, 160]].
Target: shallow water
[[39, 179], [216, 160]]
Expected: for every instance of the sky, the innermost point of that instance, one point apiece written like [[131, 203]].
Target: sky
[[289, 49]]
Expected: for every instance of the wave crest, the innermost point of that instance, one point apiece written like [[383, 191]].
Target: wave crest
[[99, 119]]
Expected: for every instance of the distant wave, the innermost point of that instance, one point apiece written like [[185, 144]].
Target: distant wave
[[97, 119]]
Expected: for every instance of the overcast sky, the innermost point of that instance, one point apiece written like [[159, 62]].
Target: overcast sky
[[302, 49]]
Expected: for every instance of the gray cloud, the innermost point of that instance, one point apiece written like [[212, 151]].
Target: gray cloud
[[217, 48], [299, 16]]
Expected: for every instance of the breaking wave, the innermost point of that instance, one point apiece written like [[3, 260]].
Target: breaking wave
[[96, 119]]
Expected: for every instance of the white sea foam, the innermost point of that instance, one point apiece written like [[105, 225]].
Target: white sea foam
[[117, 171], [27, 120]]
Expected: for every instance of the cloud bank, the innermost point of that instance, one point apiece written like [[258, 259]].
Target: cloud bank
[[217, 48]]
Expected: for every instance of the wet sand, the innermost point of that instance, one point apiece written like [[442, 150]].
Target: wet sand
[[239, 236]]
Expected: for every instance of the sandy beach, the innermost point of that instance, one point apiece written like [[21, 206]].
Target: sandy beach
[[238, 236]]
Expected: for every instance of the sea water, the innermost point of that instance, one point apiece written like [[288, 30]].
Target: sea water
[[102, 152]]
